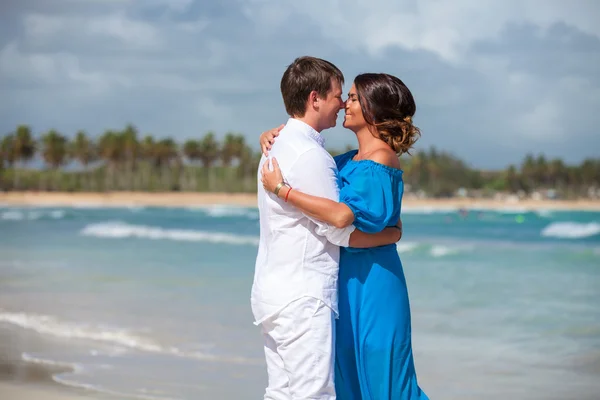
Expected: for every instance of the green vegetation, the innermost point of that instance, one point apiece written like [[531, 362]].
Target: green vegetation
[[122, 161]]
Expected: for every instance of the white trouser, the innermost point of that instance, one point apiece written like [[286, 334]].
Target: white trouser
[[299, 348]]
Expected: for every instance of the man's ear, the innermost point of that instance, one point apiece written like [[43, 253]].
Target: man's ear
[[313, 99]]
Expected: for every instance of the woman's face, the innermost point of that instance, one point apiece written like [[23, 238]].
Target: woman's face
[[354, 118]]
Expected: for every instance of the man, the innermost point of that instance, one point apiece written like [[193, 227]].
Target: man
[[294, 294]]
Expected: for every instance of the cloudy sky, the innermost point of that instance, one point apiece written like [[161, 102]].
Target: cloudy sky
[[493, 80]]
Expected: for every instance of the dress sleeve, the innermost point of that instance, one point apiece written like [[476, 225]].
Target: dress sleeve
[[374, 195]]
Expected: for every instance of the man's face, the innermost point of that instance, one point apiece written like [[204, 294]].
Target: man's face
[[330, 106]]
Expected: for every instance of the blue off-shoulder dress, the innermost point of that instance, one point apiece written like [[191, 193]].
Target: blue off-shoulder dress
[[374, 359]]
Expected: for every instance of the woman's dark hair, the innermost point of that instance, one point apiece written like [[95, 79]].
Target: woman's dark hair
[[389, 106]]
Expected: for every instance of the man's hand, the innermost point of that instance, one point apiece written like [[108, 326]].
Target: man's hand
[[268, 138]]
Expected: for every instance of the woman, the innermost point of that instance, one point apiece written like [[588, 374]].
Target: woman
[[373, 344]]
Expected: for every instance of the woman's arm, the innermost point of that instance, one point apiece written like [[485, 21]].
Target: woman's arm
[[361, 240], [332, 212], [329, 211]]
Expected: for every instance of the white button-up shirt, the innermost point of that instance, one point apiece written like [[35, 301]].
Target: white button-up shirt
[[297, 256]]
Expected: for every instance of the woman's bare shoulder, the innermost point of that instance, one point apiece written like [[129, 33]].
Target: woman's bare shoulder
[[385, 157]]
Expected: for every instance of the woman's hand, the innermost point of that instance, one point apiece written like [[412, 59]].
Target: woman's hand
[[268, 138], [270, 179]]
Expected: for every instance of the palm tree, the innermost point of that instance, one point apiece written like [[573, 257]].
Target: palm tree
[[227, 150], [191, 150], [24, 148], [528, 171], [209, 150], [165, 154], [541, 172], [249, 161], [147, 151], [557, 174], [1, 169], [416, 171], [209, 153], [512, 179], [83, 150], [434, 171], [110, 147], [7, 148], [2, 175], [54, 152], [588, 172], [232, 148], [130, 152]]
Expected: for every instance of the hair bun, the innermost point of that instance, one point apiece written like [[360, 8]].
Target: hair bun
[[388, 105], [400, 135]]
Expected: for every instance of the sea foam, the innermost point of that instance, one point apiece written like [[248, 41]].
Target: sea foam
[[571, 230], [220, 211], [119, 229], [30, 215]]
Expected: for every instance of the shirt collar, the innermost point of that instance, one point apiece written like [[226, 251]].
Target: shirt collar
[[307, 130]]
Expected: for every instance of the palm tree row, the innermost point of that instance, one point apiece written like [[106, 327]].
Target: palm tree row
[[122, 160], [441, 174]]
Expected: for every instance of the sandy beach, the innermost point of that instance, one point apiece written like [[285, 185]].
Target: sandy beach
[[128, 199]]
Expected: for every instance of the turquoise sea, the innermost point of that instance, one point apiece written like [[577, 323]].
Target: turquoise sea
[[153, 303]]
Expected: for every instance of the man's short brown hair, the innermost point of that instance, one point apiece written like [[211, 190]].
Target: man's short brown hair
[[303, 76]]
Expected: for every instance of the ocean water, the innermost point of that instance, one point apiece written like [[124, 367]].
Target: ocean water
[[153, 303]]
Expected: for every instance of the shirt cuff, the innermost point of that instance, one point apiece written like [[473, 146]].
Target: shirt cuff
[[338, 236]]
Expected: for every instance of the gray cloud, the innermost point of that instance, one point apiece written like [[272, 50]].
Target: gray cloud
[[493, 81]]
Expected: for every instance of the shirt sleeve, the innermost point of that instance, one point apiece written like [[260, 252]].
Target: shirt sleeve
[[374, 197], [315, 173]]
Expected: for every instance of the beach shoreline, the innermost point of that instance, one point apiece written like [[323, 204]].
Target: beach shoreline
[[16, 391], [180, 199], [23, 380]]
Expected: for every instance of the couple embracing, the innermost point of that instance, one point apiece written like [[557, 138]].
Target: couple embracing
[[329, 291]]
